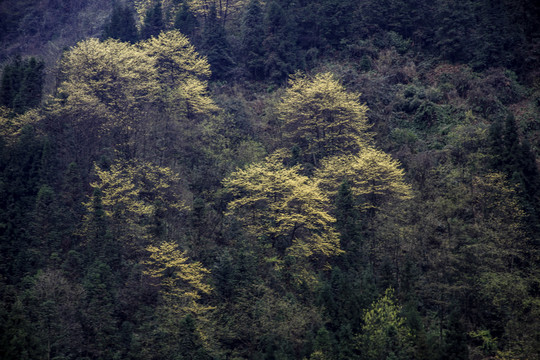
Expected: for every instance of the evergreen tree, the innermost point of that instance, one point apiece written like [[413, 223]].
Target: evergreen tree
[[215, 45], [252, 38], [99, 322], [280, 43], [348, 220], [455, 345], [21, 84], [121, 25], [10, 83], [185, 21], [153, 22]]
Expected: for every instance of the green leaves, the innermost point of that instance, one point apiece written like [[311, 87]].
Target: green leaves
[[384, 333]]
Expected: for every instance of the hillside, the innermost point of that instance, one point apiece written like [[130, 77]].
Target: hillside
[[246, 179]]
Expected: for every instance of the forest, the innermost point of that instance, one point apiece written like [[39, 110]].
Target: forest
[[270, 179]]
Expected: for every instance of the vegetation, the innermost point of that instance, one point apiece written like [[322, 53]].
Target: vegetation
[[269, 179]]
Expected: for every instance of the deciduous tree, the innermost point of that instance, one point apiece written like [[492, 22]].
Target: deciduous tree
[[322, 118]]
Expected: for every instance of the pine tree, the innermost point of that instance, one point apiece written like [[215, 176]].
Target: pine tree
[[185, 21], [215, 45], [252, 38], [21, 84], [153, 22], [280, 43], [121, 25]]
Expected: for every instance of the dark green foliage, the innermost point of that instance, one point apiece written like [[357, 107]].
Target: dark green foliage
[[99, 322], [455, 24], [190, 345], [451, 93], [514, 158], [21, 84], [253, 36], [19, 184], [455, 346], [215, 46], [121, 25], [280, 43], [153, 22], [348, 220], [186, 22]]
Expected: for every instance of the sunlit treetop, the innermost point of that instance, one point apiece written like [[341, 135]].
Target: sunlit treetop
[[105, 83], [372, 175], [182, 281], [322, 118], [283, 208], [175, 58]]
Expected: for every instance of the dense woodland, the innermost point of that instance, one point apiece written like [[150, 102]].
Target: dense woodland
[[250, 179]]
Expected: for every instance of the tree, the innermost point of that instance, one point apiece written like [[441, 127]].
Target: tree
[[153, 22], [140, 202], [185, 20], [280, 43], [21, 84], [215, 45], [322, 118], [103, 100], [283, 209], [384, 333], [252, 38], [175, 59], [182, 282], [121, 25], [374, 177]]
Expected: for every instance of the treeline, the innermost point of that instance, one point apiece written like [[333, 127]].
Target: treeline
[[381, 204], [273, 39]]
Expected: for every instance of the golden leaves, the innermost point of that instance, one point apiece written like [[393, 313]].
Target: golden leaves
[[175, 58]]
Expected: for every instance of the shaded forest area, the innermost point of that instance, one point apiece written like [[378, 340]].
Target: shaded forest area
[[246, 179]]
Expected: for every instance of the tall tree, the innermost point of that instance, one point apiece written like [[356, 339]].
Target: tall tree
[[153, 22], [186, 21], [322, 118], [216, 46], [385, 334], [280, 43], [122, 25], [252, 38], [286, 211]]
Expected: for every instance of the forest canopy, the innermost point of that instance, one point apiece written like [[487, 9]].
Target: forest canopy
[[269, 180]]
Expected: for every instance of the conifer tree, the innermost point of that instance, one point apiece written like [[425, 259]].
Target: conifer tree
[[185, 21], [153, 22], [215, 45], [280, 43], [252, 38], [21, 84], [121, 25]]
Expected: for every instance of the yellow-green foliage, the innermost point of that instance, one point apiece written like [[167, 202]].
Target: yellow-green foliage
[[10, 128], [372, 175], [384, 330], [175, 58], [182, 73], [131, 191], [280, 205], [182, 283], [322, 118], [106, 83]]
